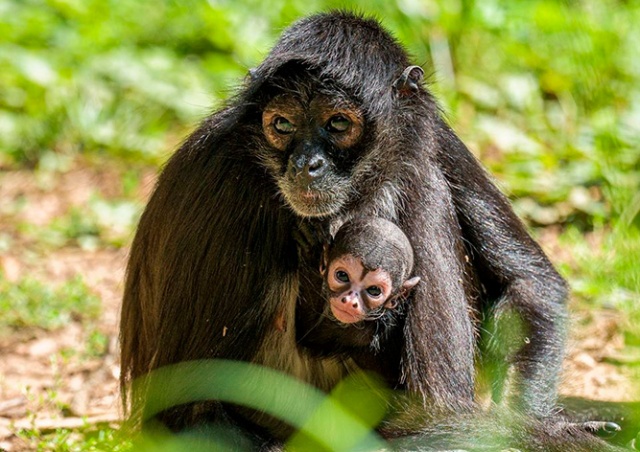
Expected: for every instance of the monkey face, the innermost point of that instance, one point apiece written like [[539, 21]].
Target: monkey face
[[314, 142], [354, 290]]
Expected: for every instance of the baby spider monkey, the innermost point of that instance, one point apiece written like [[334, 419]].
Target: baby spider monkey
[[366, 271]]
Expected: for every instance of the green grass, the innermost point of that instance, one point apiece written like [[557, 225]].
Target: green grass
[[100, 223], [91, 438], [29, 303], [546, 93], [609, 276]]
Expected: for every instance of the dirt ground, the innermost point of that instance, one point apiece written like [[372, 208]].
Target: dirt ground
[[47, 382]]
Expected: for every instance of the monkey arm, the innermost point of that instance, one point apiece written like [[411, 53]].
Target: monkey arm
[[517, 277], [438, 359]]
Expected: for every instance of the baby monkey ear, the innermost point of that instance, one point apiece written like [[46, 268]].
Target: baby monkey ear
[[409, 82], [410, 283]]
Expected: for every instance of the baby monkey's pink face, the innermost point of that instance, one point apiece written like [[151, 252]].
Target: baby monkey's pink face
[[354, 290]]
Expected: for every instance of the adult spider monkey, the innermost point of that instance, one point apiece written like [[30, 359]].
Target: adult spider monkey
[[336, 124]]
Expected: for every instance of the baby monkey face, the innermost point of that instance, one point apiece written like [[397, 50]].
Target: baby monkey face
[[354, 290]]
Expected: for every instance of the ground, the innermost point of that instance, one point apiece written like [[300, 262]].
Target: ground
[[48, 378]]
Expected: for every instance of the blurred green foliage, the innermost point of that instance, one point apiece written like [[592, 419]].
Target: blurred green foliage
[[546, 92], [101, 223], [342, 420]]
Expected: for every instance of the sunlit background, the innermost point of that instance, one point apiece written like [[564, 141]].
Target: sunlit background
[[96, 94]]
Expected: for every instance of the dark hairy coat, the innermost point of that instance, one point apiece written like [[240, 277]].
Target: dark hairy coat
[[215, 259]]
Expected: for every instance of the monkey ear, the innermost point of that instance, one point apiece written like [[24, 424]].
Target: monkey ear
[[253, 74], [409, 82], [410, 283]]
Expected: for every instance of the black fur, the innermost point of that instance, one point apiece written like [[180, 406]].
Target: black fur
[[215, 262]]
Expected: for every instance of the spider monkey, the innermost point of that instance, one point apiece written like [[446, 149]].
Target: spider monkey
[[336, 124]]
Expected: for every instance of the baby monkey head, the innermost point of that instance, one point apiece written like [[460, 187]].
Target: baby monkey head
[[367, 269]]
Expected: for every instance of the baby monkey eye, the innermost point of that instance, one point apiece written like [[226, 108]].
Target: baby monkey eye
[[342, 276], [374, 291], [283, 126], [337, 124]]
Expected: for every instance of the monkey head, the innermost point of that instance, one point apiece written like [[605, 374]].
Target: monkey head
[[367, 269], [315, 134], [321, 113]]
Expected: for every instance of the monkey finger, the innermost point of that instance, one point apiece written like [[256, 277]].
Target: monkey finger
[[598, 427]]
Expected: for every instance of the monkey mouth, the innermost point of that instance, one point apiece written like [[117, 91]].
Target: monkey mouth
[[310, 196], [313, 203], [344, 316], [320, 198]]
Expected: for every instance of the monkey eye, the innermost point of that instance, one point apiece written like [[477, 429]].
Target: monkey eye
[[337, 124], [374, 291], [342, 276], [283, 126]]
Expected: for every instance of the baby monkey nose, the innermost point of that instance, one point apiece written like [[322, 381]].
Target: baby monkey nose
[[352, 298]]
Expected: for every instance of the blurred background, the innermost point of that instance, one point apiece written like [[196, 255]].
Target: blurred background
[[96, 94]]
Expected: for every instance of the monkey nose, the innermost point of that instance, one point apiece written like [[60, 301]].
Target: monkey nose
[[312, 169], [316, 166], [352, 298]]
